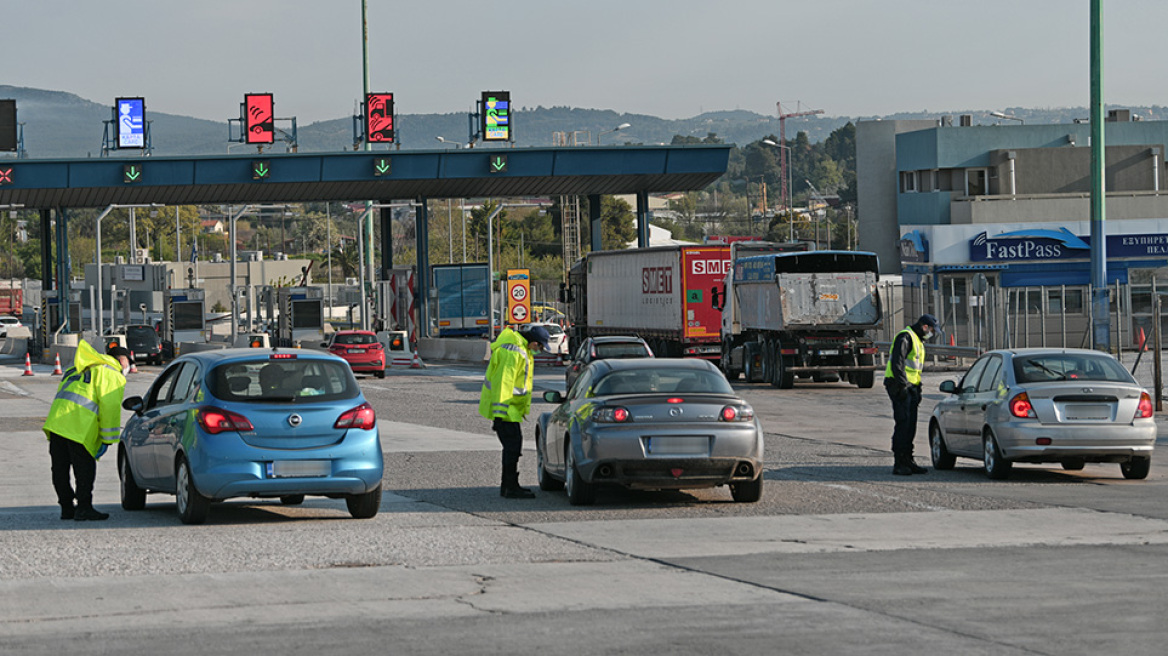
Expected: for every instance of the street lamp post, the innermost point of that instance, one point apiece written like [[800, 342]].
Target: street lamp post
[[790, 187], [618, 128], [456, 144]]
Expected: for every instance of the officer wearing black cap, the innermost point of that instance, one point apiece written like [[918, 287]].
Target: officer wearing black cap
[[902, 380]]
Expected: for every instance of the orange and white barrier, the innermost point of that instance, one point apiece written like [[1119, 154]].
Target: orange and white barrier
[[57, 366], [397, 349]]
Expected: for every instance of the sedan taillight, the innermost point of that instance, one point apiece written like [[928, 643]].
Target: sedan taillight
[[1020, 406], [737, 413], [361, 417], [614, 415], [216, 420], [1145, 409]]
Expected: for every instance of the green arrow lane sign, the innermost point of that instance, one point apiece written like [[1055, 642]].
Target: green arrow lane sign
[[381, 166], [131, 173], [498, 164], [260, 169]]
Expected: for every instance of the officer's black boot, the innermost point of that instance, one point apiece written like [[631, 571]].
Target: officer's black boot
[[901, 466], [509, 489], [913, 467]]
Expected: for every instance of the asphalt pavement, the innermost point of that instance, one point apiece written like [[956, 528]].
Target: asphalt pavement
[[839, 557]]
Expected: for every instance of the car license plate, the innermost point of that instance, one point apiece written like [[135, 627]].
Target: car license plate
[[299, 468], [1094, 412], [829, 352], [677, 446], [356, 350]]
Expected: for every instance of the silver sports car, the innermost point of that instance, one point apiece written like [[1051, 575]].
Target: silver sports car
[[651, 423], [1070, 406]]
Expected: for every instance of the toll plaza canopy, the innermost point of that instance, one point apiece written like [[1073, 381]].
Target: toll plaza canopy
[[360, 175]]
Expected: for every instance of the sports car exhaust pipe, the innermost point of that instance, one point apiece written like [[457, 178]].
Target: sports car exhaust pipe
[[604, 471], [744, 469]]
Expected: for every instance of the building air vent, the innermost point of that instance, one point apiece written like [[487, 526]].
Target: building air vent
[[966, 120]]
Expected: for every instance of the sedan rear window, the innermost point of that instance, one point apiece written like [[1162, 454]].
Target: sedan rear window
[[283, 381], [1069, 366], [662, 381], [626, 350]]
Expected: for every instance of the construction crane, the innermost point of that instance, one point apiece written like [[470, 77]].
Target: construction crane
[[785, 155]]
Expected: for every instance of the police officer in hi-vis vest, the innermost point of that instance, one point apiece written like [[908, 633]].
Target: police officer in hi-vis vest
[[902, 380], [86, 417]]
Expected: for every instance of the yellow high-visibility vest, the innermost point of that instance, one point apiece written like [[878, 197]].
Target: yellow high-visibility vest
[[88, 406], [914, 362]]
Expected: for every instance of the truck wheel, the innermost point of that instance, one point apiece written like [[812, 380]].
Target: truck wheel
[[865, 379], [768, 362], [750, 353], [786, 379]]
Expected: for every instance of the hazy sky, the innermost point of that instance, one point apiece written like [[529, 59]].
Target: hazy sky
[[669, 58]]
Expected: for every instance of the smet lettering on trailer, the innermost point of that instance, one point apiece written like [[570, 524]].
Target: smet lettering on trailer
[[656, 280], [716, 267], [1025, 250]]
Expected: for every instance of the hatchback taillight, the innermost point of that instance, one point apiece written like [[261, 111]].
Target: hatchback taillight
[[361, 417], [375, 346], [1020, 406], [216, 420], [1145, 409]]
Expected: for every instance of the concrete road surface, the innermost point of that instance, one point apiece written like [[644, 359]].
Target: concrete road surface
[[839, 557]]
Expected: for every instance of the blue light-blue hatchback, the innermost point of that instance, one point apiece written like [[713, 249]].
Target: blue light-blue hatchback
[[281, 423]]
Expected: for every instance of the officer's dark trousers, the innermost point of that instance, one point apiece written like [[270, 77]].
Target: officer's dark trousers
[[904, 413], [65, 453], [511, 437]]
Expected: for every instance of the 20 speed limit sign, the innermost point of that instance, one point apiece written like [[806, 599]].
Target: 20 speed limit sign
[[518, 295]]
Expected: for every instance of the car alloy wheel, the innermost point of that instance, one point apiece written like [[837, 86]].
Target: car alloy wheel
[[546, 482], [942, 459], [996, 467]]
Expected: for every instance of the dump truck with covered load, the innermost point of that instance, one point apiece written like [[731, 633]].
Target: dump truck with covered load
[[806, 315]]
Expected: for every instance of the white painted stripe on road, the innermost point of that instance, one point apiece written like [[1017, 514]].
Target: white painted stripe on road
[[793, 534], [885, 497]]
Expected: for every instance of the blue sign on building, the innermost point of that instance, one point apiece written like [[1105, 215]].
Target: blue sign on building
[[1061, 244], [131, 122]]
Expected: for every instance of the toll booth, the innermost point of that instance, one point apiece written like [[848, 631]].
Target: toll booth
[[54, 311], [184, 317], [301, 319]]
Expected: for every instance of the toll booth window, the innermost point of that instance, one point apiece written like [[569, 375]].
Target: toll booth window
[[307, 314], [188, 316]]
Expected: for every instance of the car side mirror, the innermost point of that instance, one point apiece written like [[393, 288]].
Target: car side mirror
[[948, 386], [553, 396], [134, 404]]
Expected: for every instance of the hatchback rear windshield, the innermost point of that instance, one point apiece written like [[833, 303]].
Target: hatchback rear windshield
[[356, 338], [140, 331], [625, 350], [1069, 366], [283, 381]]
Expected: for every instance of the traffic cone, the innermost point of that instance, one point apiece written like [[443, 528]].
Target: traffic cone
[[952, 340], [57, 366], [133, 366], [27, 365], [1143, 339], [417, 363]]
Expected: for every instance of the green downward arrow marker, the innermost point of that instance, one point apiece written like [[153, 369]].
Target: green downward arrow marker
[[131, 173], [499, 164], [381, 166], [259, 170]]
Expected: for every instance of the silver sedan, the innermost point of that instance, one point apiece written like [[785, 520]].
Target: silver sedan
[[1067, 406], [661, 424]]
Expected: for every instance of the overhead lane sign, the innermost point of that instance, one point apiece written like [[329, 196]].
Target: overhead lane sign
[[496, 116], [131, 122], [259, 118]]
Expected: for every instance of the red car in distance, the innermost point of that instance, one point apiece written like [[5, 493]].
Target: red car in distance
[[360, 349]]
